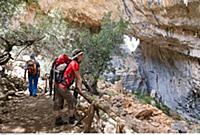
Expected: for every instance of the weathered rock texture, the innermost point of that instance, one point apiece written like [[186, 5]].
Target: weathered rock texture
[[170, 48], [170, 51]]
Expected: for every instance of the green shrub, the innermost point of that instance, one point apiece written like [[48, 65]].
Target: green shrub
[[63, 37], [146, 99], [99, 46]]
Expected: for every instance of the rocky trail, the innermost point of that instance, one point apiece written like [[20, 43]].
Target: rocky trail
[[161, 57], [20, 113]]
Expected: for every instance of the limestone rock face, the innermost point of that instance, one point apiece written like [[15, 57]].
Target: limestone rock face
[[83, 13], [170, 53], [169, 32]]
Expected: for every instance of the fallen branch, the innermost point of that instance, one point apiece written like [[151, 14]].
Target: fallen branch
[[89, 119], [106, 108], [120, 128], [134, 123]]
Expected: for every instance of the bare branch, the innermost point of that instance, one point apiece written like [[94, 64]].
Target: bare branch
[[6, 57], [7, 42], [29, 43], [60, 43]]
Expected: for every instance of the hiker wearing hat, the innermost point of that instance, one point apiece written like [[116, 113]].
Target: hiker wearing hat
[[62, 90], [33, 68]]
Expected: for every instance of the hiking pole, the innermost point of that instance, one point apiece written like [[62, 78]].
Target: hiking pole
[[89, 87], [92, 91], [53, 82]]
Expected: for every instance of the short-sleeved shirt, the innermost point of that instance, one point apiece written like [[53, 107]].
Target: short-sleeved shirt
[[69, 74]]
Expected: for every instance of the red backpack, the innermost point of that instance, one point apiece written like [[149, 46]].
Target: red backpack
[[62, 59], [59, 66]]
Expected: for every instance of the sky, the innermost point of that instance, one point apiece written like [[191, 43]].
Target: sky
[[130, 44]]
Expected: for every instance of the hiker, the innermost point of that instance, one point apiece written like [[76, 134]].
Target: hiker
[[62, 90], [33, 68], [62, 59], [52, 76]]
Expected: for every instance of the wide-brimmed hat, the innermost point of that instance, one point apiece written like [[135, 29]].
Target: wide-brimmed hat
[[76, 53]]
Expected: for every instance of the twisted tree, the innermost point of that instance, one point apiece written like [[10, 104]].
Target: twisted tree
[[9, 37]]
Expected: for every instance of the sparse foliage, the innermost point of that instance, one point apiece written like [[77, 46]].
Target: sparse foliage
[[12, 37], [98, 47], [61, 37]]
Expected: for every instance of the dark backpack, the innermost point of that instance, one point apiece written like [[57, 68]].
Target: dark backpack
[[59, 66]]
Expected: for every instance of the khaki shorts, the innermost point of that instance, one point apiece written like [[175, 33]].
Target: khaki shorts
[[60, 95]]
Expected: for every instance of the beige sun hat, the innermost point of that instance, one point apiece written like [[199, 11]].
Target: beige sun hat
[[76, 53]]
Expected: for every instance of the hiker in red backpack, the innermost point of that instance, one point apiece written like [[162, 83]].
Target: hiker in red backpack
[[33, 68], [62, 59], [62, 90]]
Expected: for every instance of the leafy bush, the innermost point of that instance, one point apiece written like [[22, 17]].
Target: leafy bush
[[9, 35], [148, 100], [62, 37], [98, 47]]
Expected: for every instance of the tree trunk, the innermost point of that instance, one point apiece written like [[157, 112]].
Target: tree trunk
[[106, 108], [89, 119], [135, 123]]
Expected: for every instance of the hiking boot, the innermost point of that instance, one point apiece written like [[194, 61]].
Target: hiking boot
[[59, 121], [72, 120], [34, 95]]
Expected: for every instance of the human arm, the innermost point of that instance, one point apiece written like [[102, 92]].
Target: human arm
[[25, 75], [75, 67], [38, 68], [25, 70], [78, 81]]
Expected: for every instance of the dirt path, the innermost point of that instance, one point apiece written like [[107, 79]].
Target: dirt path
[[24, 114], [29, 114]]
